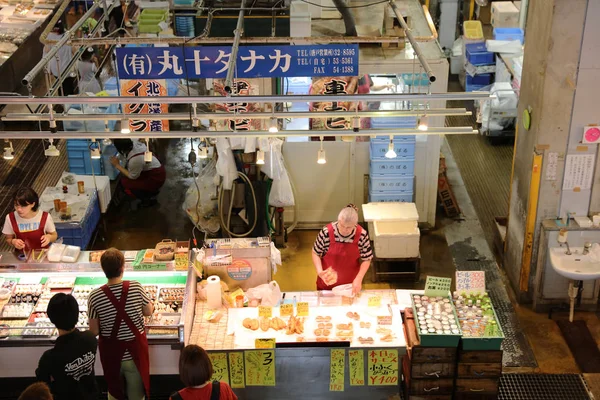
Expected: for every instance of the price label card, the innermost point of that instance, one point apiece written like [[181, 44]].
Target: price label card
[[337, 370], [220, 368], [383, 367], [260, 367], [285, 310], [264, 343], [384, 320], [356, 361], [302, 309], [470, 281], [436, 286], [265, 311], [150, 267], [375, 301], [236, 369]]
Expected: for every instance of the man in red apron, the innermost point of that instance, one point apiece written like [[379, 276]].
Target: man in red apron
[[28, 227], [122, 338], [342, 252]]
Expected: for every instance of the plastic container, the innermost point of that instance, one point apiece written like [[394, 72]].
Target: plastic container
[[391, 183], [109, 170], [477, 54], [343, 290], [402, 148], [149, 27], [71, 254], [473, 88], [395, 240], [56, 251], [394, 166], [473, 31], [484, 343], [398, 138], [482, 79], [404, 214], [394, 197], [434, 340], [509, 34], [81, 234], [80, 160]]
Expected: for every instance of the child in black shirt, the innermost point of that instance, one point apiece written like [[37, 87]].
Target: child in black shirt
[[69, 367]]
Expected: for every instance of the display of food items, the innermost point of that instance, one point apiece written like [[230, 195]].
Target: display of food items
[[83, 290], [26, 294], [95, 256], [181, 261], [476, 315], [19, 310], [151, 290], [172, 294], [435, 316], [353, 315], [42, 303], [38, 329], [21, 10], [83, 321], [166, 319], [167, 307], [59, 282]]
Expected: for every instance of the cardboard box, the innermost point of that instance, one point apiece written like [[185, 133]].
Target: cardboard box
[[504, 15], [518, 5], [484, 14]]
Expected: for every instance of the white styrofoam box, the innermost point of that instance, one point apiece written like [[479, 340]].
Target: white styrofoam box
[[395, 166], [300, 26], [402, 148], [504, 15], [405, 214], [456, 64], [391, 183], [392, 240], [517, 5]]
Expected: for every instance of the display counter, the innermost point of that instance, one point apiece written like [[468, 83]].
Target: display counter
[[26, 332]]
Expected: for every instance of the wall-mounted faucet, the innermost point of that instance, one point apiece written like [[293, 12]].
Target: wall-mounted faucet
[[586, 248], [562, 239]]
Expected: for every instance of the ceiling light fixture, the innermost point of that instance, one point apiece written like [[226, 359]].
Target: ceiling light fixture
[[147, 153], [356, 124], [273, 126], [391, 153], [202, 150], [260, 157], [423, 123], [51, 151], [9, 152], [125, 126], [95, 150], [321, 159]]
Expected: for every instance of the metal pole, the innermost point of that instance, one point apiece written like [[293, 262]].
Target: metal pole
[[222, 116], [413, 42], [467, 130], [523, 14], [36, 70], [248, 99], [239, 30]]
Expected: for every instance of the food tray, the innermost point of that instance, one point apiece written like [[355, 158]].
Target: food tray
[[151, 290], [164, 320], [434, 339], [38, 329], [16, 311], [39, 317], [83, 321], [95, 256], [167, 294], [487, 342], [60, 282]]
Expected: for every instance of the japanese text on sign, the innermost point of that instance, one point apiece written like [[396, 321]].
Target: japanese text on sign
[[356, 364], [220, 368], [436, 286], [260, 367], [236, 368], [285, 310], [383, 367], [264, 343], [374, 301], [336, 372], [265, 311], [150, 267], [145, 88], [252, 62], [470, 281], [302, 309]]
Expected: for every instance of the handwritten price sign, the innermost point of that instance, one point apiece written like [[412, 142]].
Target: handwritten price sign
[[356, 361], [374, 301], [337, 373], [236, 364], [302, 309], [220, 368], [436, 286], [470, 281], [264, 343], [265, 311], [260, 367], [285, 310], [383, 367]]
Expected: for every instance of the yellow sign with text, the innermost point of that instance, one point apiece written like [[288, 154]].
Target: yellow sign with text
[[220, 367], [264, 343], [383, 367], [337, 370], [302, 309], [236, 370], [356, 364], [375, 301], [285, 310], [265, 311], [260, 367]]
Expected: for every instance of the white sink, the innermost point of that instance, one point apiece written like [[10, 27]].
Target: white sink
[[577, 266]]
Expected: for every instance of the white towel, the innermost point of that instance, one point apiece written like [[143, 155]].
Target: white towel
[[595, 252]]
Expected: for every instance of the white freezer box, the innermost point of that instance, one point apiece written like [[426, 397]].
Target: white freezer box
[[404, 214], [395, 239]]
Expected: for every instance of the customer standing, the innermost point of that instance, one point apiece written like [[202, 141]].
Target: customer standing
[[195, 371], [116, 312], [69, 367], [58, 64]]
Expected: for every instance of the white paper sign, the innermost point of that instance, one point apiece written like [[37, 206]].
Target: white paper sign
[[551, 166], [579, 171]]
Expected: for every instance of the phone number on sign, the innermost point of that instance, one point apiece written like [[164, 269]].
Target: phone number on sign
[[343, 70]]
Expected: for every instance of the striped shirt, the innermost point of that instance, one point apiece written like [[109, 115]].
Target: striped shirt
[[322, 243], [100, 307]]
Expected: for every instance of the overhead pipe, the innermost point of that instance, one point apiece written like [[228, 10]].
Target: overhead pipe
[[55, 18], [249, 99], [44, 61], [224, 115], [413, 42], [239, 30], [31, 135]]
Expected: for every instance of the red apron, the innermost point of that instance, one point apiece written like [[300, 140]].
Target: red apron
[[344, 258], [149, 181], [33, 239], [112, 349]]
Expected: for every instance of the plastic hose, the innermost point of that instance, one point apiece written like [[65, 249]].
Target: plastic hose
[[220, 202]]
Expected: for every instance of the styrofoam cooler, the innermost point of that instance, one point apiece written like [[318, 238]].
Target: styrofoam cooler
[[394, 239], [405, 214]]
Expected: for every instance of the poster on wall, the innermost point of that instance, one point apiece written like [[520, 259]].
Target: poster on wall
[[146, 88], [240, 87], [579, 172]]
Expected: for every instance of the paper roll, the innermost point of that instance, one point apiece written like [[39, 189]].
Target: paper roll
[[213, 292]]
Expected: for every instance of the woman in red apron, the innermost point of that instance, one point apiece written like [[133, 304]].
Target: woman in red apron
[[346, 256], [112, 344], [28, 227], [141, 180]]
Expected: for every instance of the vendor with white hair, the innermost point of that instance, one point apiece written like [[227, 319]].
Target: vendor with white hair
[[342, 252]]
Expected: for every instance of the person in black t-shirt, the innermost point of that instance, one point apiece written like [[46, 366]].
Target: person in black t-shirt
[[69, 367]]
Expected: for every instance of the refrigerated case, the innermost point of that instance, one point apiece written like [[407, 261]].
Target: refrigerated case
[[25, 331]]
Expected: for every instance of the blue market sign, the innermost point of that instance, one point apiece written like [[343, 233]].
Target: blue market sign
[[252, 61]]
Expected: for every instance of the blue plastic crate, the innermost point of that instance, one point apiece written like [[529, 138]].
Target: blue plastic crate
[[393, 166], [402, 148], [477, 54], [80, 234], [509, 34], [109, 170], [482, 79], [473, 88], [393, 122], [397, 138], [391, 183], [80, 160], [386, 197]]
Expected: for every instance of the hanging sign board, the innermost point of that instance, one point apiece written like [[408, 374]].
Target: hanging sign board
[[253, 61], [145, 88]]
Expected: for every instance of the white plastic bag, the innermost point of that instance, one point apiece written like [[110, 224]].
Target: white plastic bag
[[281, 194], [226, 163], [273, 159], [275, 257], [269, 294], [198, 204]]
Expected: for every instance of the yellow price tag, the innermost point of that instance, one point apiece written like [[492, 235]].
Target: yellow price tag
[[337, 370], [374, 301], [264, 343], [302, 309], [236, 364], [285, 310], [265, 311]]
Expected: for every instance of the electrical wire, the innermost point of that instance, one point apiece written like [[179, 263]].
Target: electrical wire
[[361, 6], [220, 203]]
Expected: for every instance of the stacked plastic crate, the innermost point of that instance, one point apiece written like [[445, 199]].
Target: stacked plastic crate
[[392, 179], [184, 20], [480, 66]]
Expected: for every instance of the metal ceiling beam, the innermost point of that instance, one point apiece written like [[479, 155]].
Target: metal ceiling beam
[[237, 34]]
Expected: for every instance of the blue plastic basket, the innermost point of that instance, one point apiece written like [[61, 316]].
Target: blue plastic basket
[[473, 88], [391, 183], [509, 34], [481, 79], [80, 234], [402, 148], [109, 170], [393, 166], [477, 54], [80, 160], [386, 197], [393, 122], [398, 138]]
